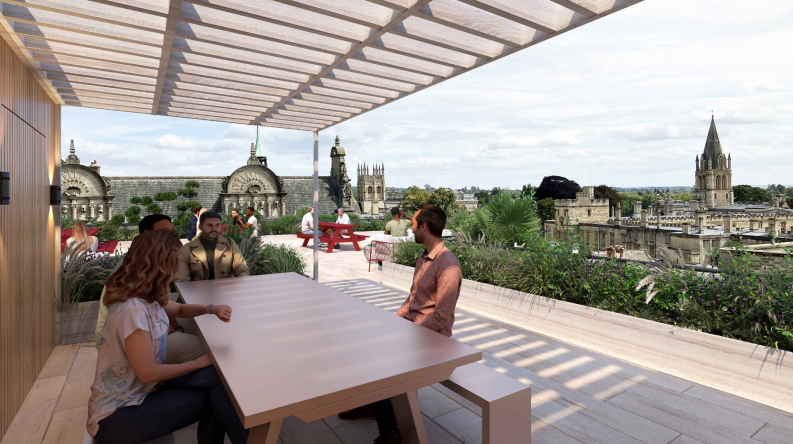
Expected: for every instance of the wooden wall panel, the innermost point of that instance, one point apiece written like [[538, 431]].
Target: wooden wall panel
[[29, 232]]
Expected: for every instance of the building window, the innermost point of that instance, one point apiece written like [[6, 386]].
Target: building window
[[369, 190], [589, 213]]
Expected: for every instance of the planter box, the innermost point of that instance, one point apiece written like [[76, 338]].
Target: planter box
[[751, 371], [77, 324]]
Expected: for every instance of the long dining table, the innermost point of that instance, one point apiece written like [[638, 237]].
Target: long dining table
[[295, 347]]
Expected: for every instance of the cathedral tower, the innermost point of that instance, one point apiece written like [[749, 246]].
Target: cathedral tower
[[713, 176], [371, 188]]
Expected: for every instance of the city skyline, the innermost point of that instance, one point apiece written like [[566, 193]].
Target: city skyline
[[625, 101]]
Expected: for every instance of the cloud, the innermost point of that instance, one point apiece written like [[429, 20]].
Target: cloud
[[765, 84], [625, 101]]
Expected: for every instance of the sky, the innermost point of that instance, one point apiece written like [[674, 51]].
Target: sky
[[624, 101]]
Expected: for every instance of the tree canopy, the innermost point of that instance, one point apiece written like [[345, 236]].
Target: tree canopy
[[413, 198], [546, 209], [748, 193], [446, 200], [443, 198], [557, 187], [606, 192]]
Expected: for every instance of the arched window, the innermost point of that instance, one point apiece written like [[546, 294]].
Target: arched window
[[368, 190], [379, 192]]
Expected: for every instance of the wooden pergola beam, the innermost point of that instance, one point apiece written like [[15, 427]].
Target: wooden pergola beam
[[174, 8]]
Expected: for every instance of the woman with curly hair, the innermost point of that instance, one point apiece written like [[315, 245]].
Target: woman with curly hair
[[135, 396]]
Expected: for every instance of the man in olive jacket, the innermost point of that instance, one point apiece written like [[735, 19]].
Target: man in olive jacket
[[210, 255]]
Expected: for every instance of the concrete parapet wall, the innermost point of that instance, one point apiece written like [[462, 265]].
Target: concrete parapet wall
[[743, 369]]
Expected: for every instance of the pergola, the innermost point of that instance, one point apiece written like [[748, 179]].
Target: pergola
[[295, 64]]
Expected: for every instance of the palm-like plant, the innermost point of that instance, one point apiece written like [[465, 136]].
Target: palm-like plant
[[508, 220]]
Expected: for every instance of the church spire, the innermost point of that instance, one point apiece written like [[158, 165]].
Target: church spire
[[712, 144]]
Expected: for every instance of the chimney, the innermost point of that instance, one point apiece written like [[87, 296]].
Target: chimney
[[618, 214], [727, 224], [686, 228], [700, 223], [644, 219], [637, 208], [95, 166]]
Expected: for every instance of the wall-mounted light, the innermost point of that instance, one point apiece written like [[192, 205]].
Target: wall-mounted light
[[55, 194], [5, 188]]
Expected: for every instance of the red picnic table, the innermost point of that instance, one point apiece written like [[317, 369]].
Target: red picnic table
[[331, 234], [67, 233]]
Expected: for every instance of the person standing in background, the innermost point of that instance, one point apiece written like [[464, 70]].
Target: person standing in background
[[398, 227], [235, 216], [252, 221], [193, 229]]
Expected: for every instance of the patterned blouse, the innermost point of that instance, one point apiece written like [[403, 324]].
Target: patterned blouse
[[116, 385]]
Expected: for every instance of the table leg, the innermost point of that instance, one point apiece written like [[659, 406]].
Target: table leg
[[265, 433], [411, 426]]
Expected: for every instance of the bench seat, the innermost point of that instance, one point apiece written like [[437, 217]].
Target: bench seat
[[164, 439], [505, 402]]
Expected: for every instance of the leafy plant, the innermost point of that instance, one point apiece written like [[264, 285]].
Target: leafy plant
[[281, 259], [66, 222], [507, 220], [407, 253]]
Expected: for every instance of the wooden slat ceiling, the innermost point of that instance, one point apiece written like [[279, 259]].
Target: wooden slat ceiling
[[298, 64]]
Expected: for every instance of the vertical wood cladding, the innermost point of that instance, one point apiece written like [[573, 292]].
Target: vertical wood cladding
[[29, 232]]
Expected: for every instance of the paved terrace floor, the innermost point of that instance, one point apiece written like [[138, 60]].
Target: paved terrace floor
[[577, 396]]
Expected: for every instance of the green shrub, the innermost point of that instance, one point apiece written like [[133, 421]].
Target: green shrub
[[749, 303], [66, 222], [407, 253], [281, 259], [237, 233], [287, 224]]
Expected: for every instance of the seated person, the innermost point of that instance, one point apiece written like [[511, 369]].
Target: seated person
[[182, 347], [399, 225], [80, 237], [342, 219], [210, 255], [307, 225], [433, 298], [136, 396]]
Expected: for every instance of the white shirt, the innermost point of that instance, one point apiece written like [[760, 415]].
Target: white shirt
[[94, 243], [308, 223], [343, 219], [255, 224]]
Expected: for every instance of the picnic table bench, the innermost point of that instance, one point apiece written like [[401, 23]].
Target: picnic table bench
[[331, 234]]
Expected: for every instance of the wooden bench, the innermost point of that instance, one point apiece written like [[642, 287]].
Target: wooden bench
[[164, 439], [505, 402]]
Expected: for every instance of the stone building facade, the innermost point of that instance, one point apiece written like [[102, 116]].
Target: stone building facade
[[85, 194], [371, 189], [584, 208], [710, 223]]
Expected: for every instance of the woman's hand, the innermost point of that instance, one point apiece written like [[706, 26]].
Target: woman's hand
[[223, 312]]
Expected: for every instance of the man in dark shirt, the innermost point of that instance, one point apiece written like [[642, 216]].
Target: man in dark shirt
[[192, 229]]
